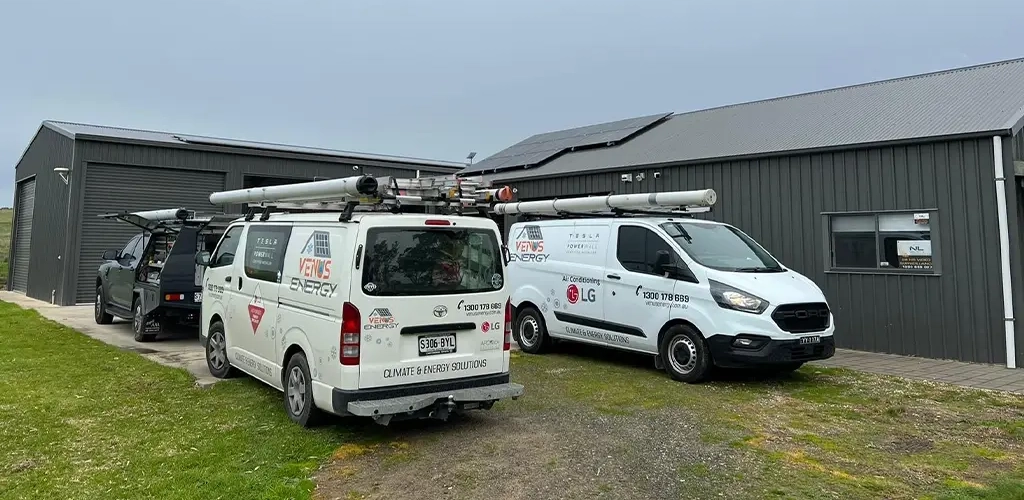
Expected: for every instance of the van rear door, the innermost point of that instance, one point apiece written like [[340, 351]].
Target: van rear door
[[431, 300]]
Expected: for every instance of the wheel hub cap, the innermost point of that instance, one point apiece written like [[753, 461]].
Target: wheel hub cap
[[296, 391], [682, 355], [218, 351], [528, 331]]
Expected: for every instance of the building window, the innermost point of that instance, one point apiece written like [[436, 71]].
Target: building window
[[888, 241]]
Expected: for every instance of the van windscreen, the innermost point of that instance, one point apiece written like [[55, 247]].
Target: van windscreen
[[721, 247], [431, 261]]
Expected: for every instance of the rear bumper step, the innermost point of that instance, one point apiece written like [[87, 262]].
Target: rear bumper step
[[433, 404]]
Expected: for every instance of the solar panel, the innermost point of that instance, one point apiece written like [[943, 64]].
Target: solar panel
[[539, 148]]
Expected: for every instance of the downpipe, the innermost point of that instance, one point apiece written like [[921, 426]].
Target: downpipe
[[1004, 253]]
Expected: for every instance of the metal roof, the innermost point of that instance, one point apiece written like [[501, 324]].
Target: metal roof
[[100, 132], [987, 98]]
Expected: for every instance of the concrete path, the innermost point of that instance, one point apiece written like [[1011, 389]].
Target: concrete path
[[975, 375], [181, 350]]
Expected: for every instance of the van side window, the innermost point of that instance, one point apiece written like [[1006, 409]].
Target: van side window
[[638, 248], [264, 251], [225, 253]]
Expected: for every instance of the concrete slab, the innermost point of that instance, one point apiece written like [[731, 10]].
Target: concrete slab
[[176, 349]]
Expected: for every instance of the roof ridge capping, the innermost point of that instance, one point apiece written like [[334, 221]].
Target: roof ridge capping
[[930, 74], [180, 138]]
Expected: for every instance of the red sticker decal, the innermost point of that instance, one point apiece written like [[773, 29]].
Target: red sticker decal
[[486, 326], [256, 310], [572, 293]]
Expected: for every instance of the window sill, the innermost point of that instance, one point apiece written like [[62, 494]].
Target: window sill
[[886, 272]]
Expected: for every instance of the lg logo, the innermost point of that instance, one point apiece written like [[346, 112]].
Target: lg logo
[[573, 294]]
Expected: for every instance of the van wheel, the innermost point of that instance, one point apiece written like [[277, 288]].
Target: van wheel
[[217, 352], [298, 393], [530, 332], [685, 354], [139, 323], [100, 313]]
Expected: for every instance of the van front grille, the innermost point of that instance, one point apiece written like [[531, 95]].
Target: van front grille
[[802, 318]]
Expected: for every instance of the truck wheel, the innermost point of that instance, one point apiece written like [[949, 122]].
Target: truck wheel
[[217, 353], [139, 323], [298, 392], [530, 332], [685, 354], [100, 313]]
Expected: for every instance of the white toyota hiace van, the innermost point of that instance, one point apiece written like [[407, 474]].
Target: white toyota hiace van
[[694, 293], [390, 316]]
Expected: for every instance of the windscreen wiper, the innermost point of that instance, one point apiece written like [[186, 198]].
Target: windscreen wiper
[[758, 269]]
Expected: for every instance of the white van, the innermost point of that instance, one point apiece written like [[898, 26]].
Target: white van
[[389, 316], [694, 293]]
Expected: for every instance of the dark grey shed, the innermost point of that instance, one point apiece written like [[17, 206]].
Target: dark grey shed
[[57, 237], [798, 172]]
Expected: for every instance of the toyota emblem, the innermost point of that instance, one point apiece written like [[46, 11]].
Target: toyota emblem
[[440, 311]]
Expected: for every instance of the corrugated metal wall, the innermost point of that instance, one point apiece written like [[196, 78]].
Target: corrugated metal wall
[[48, 150], [196, 173], [780, 201], [151, 189]]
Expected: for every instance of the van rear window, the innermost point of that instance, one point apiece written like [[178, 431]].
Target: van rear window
[[431, 261]]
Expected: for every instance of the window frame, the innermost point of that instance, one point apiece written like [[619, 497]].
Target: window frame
[[828, 243], [658, 233], [217, 249], [286, 230], [127, 253]]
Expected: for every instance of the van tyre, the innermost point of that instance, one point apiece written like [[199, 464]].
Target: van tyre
[[139, 323], [530, 332], [298, 393], [100, 313], [685, 354], [217, 352]]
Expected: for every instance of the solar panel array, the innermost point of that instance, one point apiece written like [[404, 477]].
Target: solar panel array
[[541, 147]]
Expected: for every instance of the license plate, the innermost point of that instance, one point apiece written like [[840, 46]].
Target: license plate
[[814, 339], [437, 344], [198, 297]]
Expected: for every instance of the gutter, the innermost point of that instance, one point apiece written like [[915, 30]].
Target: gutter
[[1004, 253]]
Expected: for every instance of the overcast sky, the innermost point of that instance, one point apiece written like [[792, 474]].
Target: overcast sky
[[440, 78]]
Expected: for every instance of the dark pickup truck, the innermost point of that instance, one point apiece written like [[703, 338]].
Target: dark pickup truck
[[154, 279]]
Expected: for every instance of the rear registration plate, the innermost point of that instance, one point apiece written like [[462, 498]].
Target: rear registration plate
[[198, 297], [813, 339], [437, 344]]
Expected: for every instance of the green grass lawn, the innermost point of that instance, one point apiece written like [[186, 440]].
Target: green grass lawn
[[6, 220], [80, 419]]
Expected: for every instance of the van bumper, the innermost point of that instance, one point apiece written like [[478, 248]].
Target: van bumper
[[768, 352], [425, 399]]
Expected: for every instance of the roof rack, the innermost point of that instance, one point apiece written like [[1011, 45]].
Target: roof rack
[[367, 193], [169, 218], [684, 203]]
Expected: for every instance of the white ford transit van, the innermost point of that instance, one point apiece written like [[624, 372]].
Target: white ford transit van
[[383, 315], [694, 293]]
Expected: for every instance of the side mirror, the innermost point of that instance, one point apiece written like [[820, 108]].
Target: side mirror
[[203, 258], [665, 266], [109, 255]]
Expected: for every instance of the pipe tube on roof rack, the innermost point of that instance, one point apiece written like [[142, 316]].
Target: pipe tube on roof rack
[[162, 215], [636, 201], [357, 185]]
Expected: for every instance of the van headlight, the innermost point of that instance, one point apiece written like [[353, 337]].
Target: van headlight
[[733, 298]]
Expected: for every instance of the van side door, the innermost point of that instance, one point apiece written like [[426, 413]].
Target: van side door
[[257, 287], [639, 301]]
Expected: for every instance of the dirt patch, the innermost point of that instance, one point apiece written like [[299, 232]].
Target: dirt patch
[[909, 445], [569, 453]]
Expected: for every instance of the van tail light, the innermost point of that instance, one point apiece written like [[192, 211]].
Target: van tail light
[[508, 325], [350, 323], [437, 222]]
